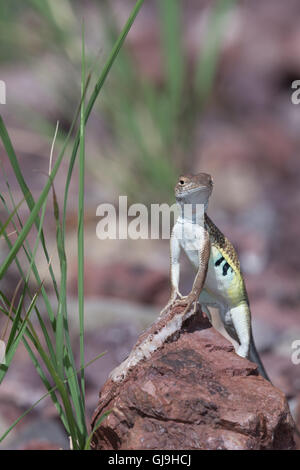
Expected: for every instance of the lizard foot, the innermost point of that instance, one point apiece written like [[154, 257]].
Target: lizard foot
[[175, 298], [186, 301], [242, 351]]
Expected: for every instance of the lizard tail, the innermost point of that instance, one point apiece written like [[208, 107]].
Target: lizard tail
[[254, 357]]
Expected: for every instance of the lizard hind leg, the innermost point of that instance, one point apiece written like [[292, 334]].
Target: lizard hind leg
[[238, 325], [241, 321]]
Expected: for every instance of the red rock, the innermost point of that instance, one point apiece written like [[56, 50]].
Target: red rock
[[194, 393]]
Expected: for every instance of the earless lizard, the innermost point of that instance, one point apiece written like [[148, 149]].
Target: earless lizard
[[218, 282]]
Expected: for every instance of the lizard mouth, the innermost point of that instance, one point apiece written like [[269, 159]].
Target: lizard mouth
[[180, 193]]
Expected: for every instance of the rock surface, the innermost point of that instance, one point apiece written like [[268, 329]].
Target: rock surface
[[194, 393]]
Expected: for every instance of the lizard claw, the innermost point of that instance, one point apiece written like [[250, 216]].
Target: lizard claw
[[173, 300], [186, 300], [182, 301]]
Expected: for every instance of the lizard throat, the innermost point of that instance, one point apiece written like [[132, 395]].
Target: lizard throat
[[192, 212]]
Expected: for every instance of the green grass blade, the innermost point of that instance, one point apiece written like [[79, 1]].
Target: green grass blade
[[43, 292], [68, 389], [27, 250], [80, 228], [16, 319], [97, 425], [63, 391], [14, 342], [207, 63], [31, 334], [170, 12], [25, 189], [100, 82], [34, 215], [51, 391], [6, 223], [88, 110], [59, 333], [64, 353]]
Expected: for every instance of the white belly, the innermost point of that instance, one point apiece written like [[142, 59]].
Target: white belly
[[191, 237], [221, 280]]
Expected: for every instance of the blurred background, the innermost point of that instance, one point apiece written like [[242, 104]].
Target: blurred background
[[199, 86]]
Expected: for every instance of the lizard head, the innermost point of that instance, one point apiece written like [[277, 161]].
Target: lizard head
[[194, 188]]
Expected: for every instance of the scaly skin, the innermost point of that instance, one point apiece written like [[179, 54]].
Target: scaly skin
[[225, 249], [218, 282], [223, 286]]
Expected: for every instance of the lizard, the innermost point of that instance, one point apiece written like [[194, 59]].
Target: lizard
[[218, 282]]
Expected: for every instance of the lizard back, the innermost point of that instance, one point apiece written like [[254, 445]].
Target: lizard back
[[219, 240], [227, 250]]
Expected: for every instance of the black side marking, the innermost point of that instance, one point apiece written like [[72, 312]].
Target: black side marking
[[225, 268], [219, 261]]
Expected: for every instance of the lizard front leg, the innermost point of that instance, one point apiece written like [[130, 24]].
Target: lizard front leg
[[174, 271], [203, 256]]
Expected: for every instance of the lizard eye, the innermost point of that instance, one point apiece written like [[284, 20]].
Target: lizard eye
[[181, 181]]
